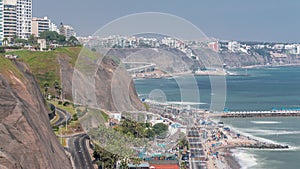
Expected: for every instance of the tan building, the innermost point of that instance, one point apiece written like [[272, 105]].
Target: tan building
[[40, 25]]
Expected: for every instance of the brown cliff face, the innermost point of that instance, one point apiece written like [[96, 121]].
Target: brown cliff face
[[26, 138], [104, 90]]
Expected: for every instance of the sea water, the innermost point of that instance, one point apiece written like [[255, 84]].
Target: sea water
[[261, 89]]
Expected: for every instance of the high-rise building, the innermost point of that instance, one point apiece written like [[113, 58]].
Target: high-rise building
[[24, 17], [1, 22], [67, 31], [10, 19], [40, 25]]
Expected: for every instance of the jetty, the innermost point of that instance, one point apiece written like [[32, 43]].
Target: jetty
[[245, 114]]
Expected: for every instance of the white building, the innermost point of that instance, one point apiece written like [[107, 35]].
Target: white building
[[42, 43], [1, 22], [298, 50], [10, 19], [24, 17], [53, 27], [67, 31], [234, 46]]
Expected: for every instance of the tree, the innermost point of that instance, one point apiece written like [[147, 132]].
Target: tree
[[73, 41], [5, 41], [53, 37], [2, 50], [61, 39], [12, 40], [160, 128], [46, 88], [20, 42], [32, 40], [104, 158], [124, 163], [57, 88]]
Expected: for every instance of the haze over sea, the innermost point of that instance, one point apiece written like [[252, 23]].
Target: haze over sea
[[264, 89]]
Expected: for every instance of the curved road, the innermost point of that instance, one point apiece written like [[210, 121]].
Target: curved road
[[63, 117], [79, 152]]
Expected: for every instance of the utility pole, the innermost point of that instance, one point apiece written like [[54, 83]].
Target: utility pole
[[66, 122], [61, 141]]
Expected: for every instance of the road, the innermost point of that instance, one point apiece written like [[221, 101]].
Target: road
[[79, 152], [77, 143], [63, 117], [196, 149]]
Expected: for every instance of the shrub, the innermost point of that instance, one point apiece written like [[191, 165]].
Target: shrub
[[66, 103]]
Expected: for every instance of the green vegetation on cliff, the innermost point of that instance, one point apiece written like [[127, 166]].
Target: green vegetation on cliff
[[45, 65], [7, 66]]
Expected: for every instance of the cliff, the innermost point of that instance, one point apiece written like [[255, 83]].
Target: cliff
[[59, 65], [26, 139]]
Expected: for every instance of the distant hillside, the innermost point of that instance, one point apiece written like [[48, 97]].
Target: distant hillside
[[174, 60]]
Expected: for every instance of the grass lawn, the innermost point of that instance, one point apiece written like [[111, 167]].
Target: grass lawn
[[44, 65]]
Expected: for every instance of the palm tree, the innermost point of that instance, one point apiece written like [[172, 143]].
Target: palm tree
[[56, 87], [46, 88], [124, 163], [136, 161], [5, 41]]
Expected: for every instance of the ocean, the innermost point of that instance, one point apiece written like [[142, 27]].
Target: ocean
[[262, 89]]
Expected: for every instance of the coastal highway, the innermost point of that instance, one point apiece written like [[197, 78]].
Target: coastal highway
[[79, 152], [196, 149]]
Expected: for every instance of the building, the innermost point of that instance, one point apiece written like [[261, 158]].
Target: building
[[53, 27], [67, 31], [42, 43], [214, 46], [234, 46], [164, 164], [10, 19], [24, 17], [40, 25], [1, 22], [298, 50]]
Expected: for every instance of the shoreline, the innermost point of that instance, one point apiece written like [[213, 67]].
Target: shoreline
[[263, 66], [230, 148], [231, 161]]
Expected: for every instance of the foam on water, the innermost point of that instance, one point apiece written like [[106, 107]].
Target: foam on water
[[266, 122], [245, 159], [270, 132], [247, 134]]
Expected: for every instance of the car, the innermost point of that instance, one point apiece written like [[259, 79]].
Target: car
[[185, 158]]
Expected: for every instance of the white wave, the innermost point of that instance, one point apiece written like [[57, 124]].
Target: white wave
[[291, 148], [247, 134], [270, 132], [266, 122], [245, 159]]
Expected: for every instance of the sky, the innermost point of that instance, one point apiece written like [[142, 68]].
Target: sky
[[245, 20]]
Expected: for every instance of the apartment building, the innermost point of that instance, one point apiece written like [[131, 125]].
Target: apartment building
[[24, 17], [10, 19]]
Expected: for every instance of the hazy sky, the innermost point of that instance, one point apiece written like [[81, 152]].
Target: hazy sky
[[253, 20]]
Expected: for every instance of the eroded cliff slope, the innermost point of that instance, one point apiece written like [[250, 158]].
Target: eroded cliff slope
[[26, 138]]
